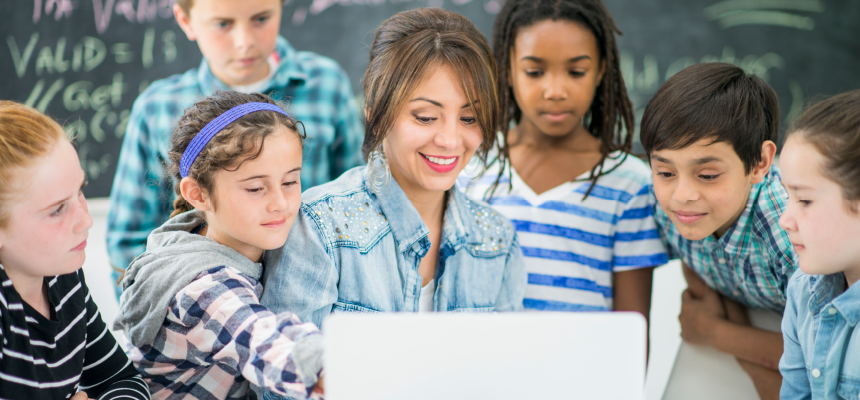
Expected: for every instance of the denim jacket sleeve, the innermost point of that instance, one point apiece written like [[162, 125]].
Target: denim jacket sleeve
[[792, 366], [301, 277], [514, 280]]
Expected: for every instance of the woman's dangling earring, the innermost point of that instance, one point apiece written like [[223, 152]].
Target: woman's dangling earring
[[474, 169], [378, 171]]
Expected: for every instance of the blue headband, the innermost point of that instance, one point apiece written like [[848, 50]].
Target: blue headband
[[216, 125]]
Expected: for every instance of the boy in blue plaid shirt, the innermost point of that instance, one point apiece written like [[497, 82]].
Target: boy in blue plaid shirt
[[243, 52], [709, 135]]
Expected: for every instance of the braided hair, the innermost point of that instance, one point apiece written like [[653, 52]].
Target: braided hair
[[610, 118]]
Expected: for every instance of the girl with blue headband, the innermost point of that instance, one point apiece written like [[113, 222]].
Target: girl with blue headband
[[190, 306]]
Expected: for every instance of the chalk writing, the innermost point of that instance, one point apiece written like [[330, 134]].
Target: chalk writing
[[761, 12], [642, 82], [146, 11], [319, 6], [21, 60], [146, 49], [169, 41], [93, 166], [36, 93], [79, 95], [60, 8], [86, 55]]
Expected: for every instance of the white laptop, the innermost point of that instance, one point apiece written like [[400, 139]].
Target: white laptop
[[500, 356]]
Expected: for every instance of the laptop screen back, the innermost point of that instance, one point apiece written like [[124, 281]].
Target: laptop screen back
[[483, 356]]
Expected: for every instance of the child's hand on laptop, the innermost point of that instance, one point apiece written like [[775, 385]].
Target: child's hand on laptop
[[698, 316]]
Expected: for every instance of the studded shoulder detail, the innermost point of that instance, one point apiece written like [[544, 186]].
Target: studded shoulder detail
[[494, 232], [353, 220]]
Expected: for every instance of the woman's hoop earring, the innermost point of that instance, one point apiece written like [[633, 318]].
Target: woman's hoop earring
[[475, 169], [378, 170]]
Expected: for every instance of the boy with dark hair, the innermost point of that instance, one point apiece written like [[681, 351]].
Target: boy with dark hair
[[243, 52], [709, 135]]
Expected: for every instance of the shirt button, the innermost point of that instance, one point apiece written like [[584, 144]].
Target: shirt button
[[736, 293], [816, 373], [722, 260], [832, 311]]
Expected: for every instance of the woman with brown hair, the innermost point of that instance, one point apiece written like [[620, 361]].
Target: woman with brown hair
[[396, 235]]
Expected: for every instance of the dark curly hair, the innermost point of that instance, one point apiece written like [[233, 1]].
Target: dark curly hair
[[237, 143]]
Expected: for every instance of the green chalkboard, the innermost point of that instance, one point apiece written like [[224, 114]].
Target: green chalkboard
[[84, 61]]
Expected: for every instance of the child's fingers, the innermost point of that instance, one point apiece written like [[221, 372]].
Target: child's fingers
[[80, 396], [711, 294]]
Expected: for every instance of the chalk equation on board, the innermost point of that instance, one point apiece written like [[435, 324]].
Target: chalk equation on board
[[786, 13], [319, 6], [50, 59], [103, 10], [84, 62]]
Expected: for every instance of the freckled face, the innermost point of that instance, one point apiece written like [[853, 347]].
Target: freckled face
[[49, 221], [434, 137], [236, 37], [555, 71], [703, 188], [256, 205], [825, 234]]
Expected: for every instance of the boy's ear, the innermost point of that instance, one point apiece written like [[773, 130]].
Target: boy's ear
[[768, 151], [184, 21], [194, 194]]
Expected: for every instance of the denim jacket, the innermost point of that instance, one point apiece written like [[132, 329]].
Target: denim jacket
[[351, 249], [822, 346]]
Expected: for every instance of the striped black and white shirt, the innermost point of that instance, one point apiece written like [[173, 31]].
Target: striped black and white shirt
[[73, 351]]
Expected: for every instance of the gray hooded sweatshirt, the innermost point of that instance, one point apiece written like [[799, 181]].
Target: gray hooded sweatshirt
[[174, 257]]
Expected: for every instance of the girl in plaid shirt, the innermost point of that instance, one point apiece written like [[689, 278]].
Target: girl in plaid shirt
[[190, 305]]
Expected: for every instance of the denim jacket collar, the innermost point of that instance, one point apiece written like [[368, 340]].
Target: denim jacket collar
[[406, 224], [458, 225], [830, 289], [288, 69]]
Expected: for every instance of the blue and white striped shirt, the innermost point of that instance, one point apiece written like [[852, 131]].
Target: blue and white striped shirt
[[572, 246]]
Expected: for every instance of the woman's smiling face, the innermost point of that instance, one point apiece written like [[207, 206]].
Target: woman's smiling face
[[434, 137]]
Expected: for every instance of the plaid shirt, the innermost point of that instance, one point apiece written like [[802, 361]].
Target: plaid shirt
[[217, 338], [141, 198], [753, 261]]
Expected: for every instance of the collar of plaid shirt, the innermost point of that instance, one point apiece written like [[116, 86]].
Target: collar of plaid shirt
[[289, 71], [736, 239]]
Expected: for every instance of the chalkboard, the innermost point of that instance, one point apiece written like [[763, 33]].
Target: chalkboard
[[84, 61]]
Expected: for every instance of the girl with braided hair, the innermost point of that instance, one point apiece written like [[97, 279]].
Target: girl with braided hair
[[562, 171]]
